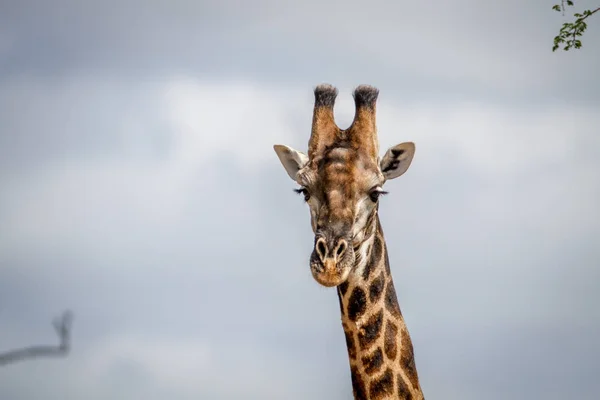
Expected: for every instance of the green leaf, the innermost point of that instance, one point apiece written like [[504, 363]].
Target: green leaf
[[569, 2]]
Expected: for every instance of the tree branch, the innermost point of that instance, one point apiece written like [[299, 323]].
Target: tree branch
[[62, 326], [570, 31]]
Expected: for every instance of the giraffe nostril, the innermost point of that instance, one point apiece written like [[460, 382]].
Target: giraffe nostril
[[341, 249], [321, 248]]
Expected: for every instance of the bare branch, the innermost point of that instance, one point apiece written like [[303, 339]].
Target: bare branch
[[62, 326]]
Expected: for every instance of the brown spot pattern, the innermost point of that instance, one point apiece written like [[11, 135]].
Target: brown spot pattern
[[373, 361], [371, 330], [357, 304], [343, 287], [341, 303], [376, 288], [350, 344], [407, 359], [375, 257], [358, 385], [386, 261], [391, 301], [403, 391], [384, 386], [389, 341]]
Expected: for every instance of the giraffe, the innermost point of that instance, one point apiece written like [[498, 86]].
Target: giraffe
[[341, 179]]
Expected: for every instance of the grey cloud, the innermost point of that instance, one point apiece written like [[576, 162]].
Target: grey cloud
[[46, 121], [418, 50]]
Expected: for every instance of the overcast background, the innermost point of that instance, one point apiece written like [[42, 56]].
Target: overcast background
[[138, 187]]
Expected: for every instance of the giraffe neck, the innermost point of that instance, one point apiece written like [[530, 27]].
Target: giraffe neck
[[380, 351]]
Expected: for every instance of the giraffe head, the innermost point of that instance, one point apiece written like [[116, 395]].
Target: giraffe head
[[341, 179]]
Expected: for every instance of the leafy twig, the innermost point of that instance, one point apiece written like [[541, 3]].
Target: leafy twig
[[570, 31]]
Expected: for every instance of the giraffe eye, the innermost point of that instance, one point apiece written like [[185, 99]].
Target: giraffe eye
[[374, 195], [304, 192]]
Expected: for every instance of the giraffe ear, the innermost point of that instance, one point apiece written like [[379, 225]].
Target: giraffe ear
[[397, 159], [292, 160]]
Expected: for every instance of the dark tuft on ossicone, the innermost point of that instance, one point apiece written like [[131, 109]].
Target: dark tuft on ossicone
[[365, 96], [325, 95]]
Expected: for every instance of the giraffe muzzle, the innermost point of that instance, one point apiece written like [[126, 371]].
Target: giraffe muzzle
[[331, 261]]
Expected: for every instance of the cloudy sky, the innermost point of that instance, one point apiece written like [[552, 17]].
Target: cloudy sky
[[139, 188]]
